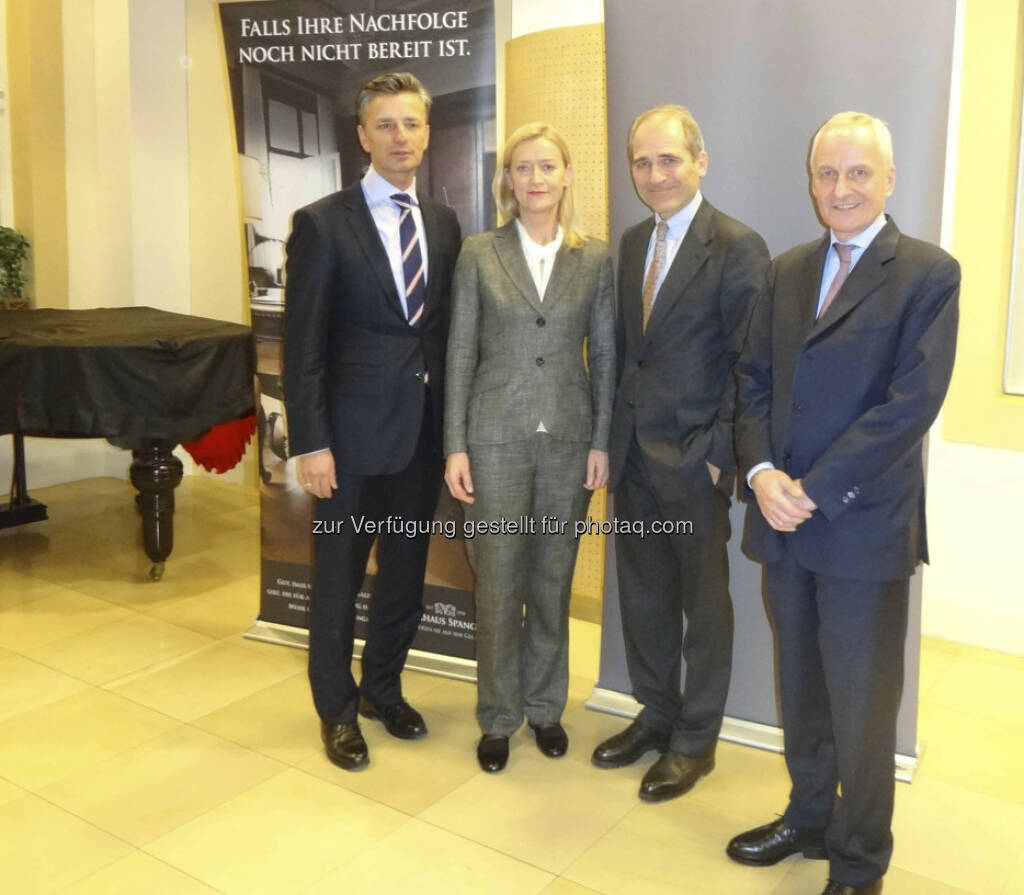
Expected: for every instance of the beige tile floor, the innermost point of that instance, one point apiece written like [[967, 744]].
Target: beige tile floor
[[146, 747]]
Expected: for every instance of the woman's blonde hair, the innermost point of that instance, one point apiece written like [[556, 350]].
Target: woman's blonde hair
[[504, 198]]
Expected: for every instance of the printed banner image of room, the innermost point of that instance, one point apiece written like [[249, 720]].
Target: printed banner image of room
[[295, 125]]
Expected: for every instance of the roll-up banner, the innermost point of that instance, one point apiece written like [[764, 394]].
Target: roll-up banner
[[295, 68], [758, 110]]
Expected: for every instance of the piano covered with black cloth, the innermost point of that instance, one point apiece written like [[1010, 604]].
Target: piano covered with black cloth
[[146, 380]]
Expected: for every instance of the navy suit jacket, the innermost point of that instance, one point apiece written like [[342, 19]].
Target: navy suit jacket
[[844, 402], [353, 366]]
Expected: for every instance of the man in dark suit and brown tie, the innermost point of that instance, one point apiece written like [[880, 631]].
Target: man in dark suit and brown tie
[[847, 363], [688, 278], [366, 319]]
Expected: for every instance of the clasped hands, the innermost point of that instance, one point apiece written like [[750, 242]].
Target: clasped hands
[[460, 481], [783, 501]]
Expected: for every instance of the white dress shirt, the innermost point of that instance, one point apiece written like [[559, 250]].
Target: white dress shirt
[[540, 259], [678, 226]]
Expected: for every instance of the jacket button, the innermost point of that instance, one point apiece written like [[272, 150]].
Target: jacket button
[[629, 403], [540, 362], [541, 321], [640, 364], [798, 408], [787, 456]]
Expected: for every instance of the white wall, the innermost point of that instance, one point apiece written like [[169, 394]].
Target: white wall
[[528, 16], [974, 587]]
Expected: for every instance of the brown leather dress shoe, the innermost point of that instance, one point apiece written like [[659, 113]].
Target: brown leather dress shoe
[[872, 888], [552, 739], [344, 745], [492, 753], [673, 774], [769, 844], [627, 746], [400, 719]]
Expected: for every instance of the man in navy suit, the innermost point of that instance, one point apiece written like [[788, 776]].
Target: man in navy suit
[[847, 362], [366, 320]]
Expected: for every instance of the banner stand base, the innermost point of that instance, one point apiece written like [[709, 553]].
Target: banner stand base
[[429, 663], [734, 730]]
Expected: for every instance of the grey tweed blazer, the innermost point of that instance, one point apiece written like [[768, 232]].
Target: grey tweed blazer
[[514, 360]]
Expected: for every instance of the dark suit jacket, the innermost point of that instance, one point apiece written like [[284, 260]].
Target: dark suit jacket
[[844, 402], [353, 366], [676, 388], [514, 360]]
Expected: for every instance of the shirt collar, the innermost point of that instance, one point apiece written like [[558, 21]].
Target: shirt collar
[[866, 236], [377, 190], [681, 220], [534, 249]]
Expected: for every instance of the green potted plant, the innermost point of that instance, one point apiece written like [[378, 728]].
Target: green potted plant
[[13, 252]]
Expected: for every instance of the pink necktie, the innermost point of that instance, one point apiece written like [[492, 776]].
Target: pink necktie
[[844, 252], [654, 271]]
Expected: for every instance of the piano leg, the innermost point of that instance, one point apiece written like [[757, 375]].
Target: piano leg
[[22, 508], [156, 472]]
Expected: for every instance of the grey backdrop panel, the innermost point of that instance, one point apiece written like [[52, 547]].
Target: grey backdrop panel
[[760, 77]]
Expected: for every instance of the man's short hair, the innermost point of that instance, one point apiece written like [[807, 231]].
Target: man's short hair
[[390, 84], [856, 119], [692, 136]]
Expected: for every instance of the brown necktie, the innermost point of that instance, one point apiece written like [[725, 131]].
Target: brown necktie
[[654, 271], [844, 252]]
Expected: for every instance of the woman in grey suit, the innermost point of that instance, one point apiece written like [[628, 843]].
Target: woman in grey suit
[[526, 431]]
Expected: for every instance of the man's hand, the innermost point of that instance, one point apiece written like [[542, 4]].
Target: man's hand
[[782, 500], [716, 473], [597, 470], [457, 477], [316, 473], [805, 502]]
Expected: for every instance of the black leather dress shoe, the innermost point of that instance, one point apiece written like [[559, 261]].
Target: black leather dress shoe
[[345, 745], [628, 746], [673, 774], [552, 739], [772, 842], [400, 719], [492, 753], [872, 888]]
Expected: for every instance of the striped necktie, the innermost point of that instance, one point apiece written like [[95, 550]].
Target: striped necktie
[[412, 260]]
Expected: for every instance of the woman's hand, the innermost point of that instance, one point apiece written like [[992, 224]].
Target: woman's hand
[[597, 470], [458, 479], [316, 473]]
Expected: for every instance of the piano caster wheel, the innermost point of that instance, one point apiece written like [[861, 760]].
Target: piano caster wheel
[[157, 572]]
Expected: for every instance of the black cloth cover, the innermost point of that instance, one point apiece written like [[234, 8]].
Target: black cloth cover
[[132, 375]]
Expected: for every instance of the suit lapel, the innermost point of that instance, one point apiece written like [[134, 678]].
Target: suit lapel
[[810, 283], [510, 254], [633, 258], [864, 279], [689, 259], [433, 234], [364, 227], [567, 261]]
